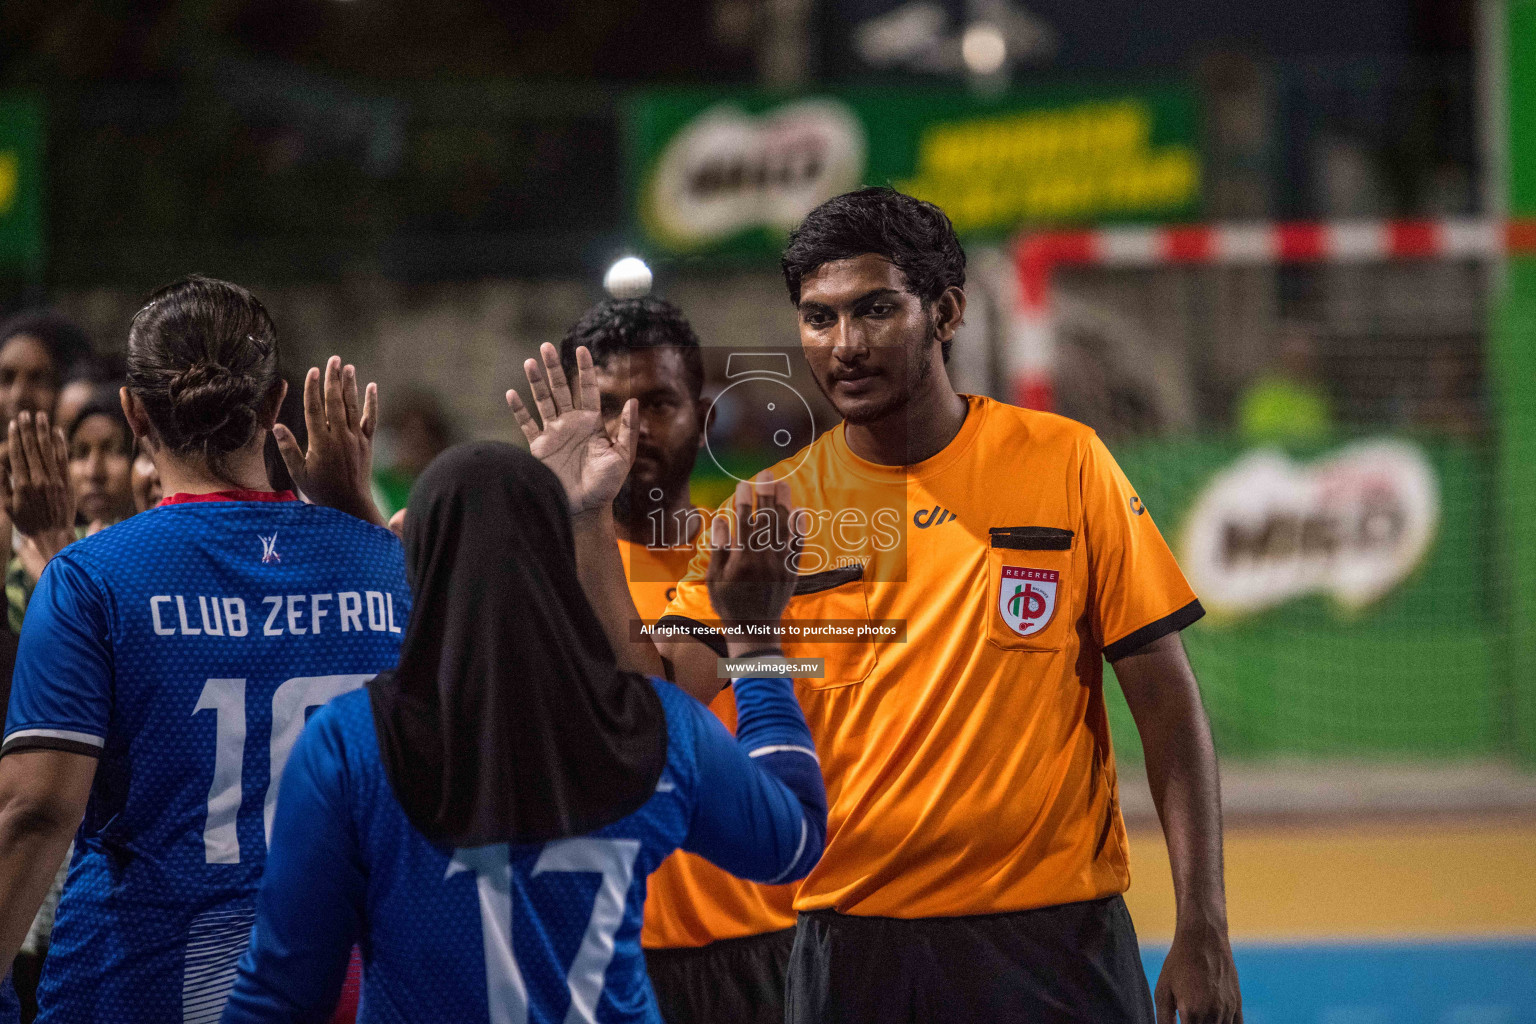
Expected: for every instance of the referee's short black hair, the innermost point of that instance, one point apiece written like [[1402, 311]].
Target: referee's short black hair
[[914, 235], [624, 325]]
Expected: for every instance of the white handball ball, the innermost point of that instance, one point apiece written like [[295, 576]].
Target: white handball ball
[[629, 278]]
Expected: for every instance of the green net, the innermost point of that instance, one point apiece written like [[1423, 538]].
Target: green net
[[1317, 446]]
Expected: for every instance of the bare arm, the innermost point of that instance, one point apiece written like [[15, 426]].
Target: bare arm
[[43, 794], [694, 662], [1198, 977], [569, 437], [602, 578], [693, 667]]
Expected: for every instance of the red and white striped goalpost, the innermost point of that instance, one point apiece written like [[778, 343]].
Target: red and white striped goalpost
[[1031, 352]]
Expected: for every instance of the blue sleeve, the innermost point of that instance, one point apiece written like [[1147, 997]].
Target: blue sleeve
[[309, 911], [61, 689], [761, 809], [10, 1004]]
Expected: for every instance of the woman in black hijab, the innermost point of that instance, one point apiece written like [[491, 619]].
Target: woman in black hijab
[[508, 719], [481, 820]]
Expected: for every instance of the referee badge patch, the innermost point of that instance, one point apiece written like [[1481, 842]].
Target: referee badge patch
[[1027, 598]]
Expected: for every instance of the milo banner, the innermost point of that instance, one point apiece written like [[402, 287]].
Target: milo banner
[[1352, 526], [734, 172], [1352, 590]]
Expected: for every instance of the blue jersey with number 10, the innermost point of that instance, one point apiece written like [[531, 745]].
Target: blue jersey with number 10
[[184, 648]]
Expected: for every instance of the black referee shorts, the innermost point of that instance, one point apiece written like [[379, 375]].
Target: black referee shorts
[[732, 981], [1077, 962]]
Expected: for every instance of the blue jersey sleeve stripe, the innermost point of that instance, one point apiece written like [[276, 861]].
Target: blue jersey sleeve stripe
[[761, 808], [794, 862], [781, 748]]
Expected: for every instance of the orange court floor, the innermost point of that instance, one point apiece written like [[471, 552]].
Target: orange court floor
[[1342, 879]]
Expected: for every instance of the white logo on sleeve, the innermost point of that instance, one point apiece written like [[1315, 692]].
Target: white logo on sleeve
[[269, 549]]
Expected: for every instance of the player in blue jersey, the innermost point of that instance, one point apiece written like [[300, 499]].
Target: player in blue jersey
[[168, 663], [483, 818]]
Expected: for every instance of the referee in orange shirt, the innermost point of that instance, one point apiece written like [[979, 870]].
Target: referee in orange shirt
[[976, 852], [717, 947]]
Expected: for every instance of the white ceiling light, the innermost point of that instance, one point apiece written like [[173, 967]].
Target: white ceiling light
[[984, 48], [629, 278]]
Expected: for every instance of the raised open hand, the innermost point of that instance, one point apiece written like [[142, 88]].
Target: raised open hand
[[34, 477], [338, 468], [572, 440]]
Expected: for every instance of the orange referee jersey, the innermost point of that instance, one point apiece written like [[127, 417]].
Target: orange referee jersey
[[689, 901], [968, 764]]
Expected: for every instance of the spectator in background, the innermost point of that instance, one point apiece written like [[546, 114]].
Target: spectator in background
[[37, 497], [100, 464], [145, 479], [85, 382], [414, 432], [92, 477], [38, 501], [38, 348], [1287, 402]]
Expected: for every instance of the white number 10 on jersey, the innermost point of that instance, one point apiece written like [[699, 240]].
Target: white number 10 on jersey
[[291, 703]]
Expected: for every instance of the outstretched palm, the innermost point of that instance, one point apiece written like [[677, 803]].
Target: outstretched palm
[[572, 441], [338, 468]]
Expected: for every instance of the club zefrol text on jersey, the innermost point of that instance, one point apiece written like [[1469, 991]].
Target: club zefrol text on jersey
[[345, 611]]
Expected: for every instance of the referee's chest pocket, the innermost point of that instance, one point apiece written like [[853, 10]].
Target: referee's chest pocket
[[1029, 587], [833, 602]]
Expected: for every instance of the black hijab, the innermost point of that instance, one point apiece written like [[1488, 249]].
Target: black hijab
[[507, 720]]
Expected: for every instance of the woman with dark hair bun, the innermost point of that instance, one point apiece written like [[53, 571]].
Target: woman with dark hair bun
[[202, 375], [168, 663]]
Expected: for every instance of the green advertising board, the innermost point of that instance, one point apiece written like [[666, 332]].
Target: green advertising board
[[1512, 365], [733, 172], [1393, 647], [21, 185]]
